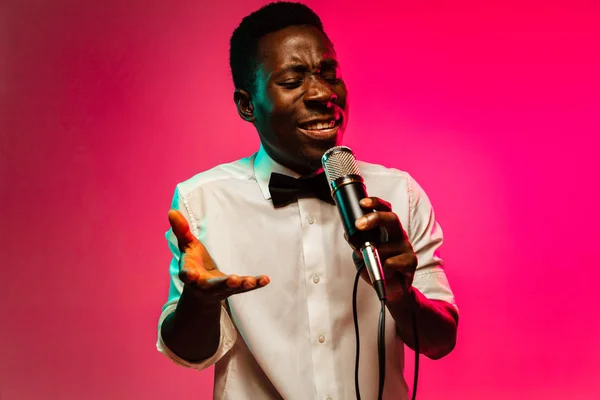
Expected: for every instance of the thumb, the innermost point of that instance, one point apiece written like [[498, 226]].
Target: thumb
[[181, 229]]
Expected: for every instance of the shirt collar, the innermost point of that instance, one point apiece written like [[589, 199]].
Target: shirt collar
[[264, 165]]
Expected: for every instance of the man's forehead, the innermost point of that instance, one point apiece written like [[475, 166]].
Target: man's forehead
[[294, 44]]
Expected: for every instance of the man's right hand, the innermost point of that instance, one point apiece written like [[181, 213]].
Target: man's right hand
[[198, 270]]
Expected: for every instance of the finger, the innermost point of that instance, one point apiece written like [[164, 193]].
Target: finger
[[233, 283], [189, 275], [224, 286], [262, 280], [384, 219], [187, 241], [245, 283], [404, 264], [375, 203], [391, 249], [191, 267], [181, 229], [248, 282], [212, 284]]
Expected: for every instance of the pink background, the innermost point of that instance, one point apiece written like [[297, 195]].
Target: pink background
[[106, 105]]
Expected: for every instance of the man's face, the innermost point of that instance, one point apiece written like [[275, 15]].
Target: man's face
[[300, 98]]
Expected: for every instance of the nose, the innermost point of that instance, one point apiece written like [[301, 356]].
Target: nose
[[319, 91]]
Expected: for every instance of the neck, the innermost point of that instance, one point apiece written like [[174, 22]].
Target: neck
[[304, 170], [307, 169]]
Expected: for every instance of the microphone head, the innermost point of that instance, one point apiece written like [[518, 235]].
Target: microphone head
[[339, 162]]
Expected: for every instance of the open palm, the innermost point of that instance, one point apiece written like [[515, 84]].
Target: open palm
[[197, 268]]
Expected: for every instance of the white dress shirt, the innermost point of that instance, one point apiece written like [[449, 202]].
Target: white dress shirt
[[294, 339]]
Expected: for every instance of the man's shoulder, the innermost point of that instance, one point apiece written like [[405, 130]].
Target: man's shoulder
[[390, 183], [369, 170], [241, 169]]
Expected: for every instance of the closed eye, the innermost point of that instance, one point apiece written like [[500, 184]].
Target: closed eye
[[291, 84]]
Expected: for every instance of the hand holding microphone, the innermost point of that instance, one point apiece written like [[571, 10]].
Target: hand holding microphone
[[363, 219]]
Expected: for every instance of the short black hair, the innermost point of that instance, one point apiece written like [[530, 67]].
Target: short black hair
[[244, 40]]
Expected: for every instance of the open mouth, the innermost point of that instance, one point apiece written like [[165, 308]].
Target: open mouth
[[321, 129]]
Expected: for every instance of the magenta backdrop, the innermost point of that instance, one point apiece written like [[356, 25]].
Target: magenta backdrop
[[106, 105]]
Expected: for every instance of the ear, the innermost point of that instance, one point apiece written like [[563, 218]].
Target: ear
[[244, 105]]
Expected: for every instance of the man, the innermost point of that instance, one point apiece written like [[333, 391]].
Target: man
[[292, 337]]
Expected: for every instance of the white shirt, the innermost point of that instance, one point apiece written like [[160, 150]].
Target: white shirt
[[294, 338]]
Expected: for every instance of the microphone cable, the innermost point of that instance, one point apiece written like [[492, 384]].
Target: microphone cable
[[381, 339], [355, 316]]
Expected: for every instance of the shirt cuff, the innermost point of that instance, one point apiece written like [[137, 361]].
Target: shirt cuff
[[226, 341], [434, 285]]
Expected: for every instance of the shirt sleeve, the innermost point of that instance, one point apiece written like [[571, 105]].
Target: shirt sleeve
[[426, 237], [228, 331]]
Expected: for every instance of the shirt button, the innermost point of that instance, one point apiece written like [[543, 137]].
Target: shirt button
[[310, 220], [321, 338], [316, 278], [328, 398]]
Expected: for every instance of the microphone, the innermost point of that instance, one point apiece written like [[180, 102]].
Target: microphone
[[347, 189]]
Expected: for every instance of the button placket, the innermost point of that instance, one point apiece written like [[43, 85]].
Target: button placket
[[316, 259]]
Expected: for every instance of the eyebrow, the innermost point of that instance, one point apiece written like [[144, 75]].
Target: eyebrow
[[328, 63]]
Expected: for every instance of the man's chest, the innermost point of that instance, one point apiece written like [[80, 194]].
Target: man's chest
[[257, 239]]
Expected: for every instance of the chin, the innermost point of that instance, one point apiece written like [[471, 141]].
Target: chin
[[312, 155]]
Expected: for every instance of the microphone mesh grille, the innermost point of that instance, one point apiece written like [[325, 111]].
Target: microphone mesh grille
[[339, 161]]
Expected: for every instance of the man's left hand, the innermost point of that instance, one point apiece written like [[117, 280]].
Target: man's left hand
[[396, 253]]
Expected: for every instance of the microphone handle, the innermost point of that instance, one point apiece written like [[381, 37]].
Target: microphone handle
[[347, 195]]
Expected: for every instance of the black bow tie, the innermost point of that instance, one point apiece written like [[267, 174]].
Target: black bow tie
[[285, 189]]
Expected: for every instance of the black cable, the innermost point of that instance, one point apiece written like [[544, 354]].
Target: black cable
[[355, 315], [381, 337], [381, 349], [416, 341]]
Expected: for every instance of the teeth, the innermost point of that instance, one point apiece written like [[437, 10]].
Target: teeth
[[321, 126]]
